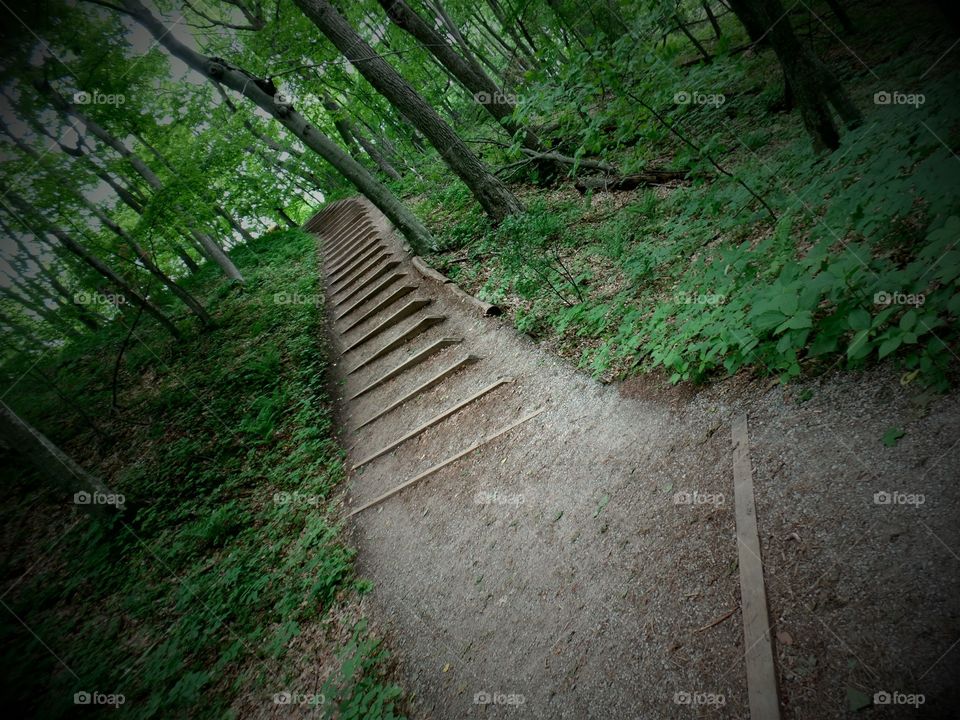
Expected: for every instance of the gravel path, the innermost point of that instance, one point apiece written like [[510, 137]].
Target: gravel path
[[583, 563]]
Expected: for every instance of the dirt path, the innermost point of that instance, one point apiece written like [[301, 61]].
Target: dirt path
[[574, 566]]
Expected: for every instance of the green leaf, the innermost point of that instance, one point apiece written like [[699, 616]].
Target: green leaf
[[891, 436], [889, 345], [859, 319], [857, 700], [909, 320], [787, 304], [858, 347]]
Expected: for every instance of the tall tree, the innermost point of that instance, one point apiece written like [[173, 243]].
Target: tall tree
[[24, 213], [211, 249], [464, 68], [813, 87], [489, 191], [264, 94], [56, 467]]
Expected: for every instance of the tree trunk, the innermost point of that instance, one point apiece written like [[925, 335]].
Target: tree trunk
[[83, 313], [34, 304], [188, 261], [286, 218], [841, 14], [814, 88], [94, 262], [215, 252], [692, 38], [705, 4], [489, 191], [354, 133], [263, 95], [185, 297], [57, 467], [470, 75], [234, 223]]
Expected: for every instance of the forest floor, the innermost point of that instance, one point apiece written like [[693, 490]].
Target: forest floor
[[230, 591], [584, 564]]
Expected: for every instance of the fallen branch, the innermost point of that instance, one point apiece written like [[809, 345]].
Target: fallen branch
[[629, 182], [567, 160]]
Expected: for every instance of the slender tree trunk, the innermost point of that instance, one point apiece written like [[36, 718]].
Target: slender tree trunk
[[705, 4], [813, 86], [263, 95], [94, 262], [491, 193], [185, 297], [34, 304], [485, 91], [233, 223], [836, 7], [182, 253], [17, 328], [286, 218], [143, 170], [511, 29], [692, 38], [56, 467], [89, 319]]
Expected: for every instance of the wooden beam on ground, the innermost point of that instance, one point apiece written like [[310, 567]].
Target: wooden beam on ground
[[758, 643]]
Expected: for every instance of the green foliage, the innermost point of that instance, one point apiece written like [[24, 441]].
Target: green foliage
[[234, 547], [859, 267]]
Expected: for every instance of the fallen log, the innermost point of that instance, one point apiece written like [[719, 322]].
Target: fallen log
[[629, 182]]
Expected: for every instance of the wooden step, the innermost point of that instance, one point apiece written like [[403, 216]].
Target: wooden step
[[410, 362], [422, 388], [423, 324]]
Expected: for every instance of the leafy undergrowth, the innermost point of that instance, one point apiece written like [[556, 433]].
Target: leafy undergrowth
[[225, 453], [860, 263]]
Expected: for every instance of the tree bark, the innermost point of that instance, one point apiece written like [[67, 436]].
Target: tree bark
[[470, 75], [185, 297], [489, 191], [814, 88], [705, 4]]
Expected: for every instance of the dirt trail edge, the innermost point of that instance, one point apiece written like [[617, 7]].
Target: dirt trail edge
[[567, 551]]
